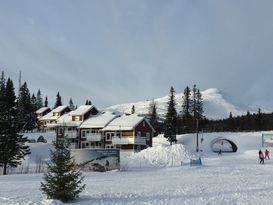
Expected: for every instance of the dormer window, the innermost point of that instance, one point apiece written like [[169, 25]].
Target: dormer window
[[77, 118]]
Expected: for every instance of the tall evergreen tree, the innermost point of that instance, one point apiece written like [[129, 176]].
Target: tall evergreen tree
[[46, 102], [12, 145], [153, 117], [199, 105], [39, 100], [33, 101], [88, 102], [259, 120], [194, 103], [26, 112], [186, 109], [63, 180], [231, 122], [133, 109], [58, 100], [170, 123], [71, 104]]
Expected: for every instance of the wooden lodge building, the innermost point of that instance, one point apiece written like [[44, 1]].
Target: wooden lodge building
[[49, 120], [86, 127]]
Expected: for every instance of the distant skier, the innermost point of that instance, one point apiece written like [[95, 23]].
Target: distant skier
[[107, 165], [261, 157], [266, 154], [220, 152]]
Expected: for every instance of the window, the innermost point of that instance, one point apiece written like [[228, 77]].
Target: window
[[143, 124], [108, 136], [83, 133], [77, 118], [138, 133], [148, 136]]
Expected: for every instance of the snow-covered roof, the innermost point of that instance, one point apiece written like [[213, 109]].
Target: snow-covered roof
[[42, 109], [60, 108], [125, 122], [81, 110], [66, 120], [49, 116], [99, 121]]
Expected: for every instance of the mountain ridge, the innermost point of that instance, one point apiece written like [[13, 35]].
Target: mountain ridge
[[216, 106]]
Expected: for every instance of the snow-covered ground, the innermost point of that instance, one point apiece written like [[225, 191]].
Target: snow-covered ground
[[156, 176]]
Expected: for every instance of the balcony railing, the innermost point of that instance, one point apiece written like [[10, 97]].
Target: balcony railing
[[70, 134], [129, 140], [93, 137]]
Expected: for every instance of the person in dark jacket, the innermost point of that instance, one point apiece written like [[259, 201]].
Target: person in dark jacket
[[261, 157]]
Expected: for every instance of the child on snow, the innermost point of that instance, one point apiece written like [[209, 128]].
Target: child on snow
[[261, 157], [266, 154]]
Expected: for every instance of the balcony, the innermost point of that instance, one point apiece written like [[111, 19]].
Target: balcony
[[129, 140], [93, 137], [70, 134]]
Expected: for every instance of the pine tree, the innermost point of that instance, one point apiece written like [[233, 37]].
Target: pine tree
[[199, 105], [133, 110], [46, 102], [231, 122], [63, 180], [171, 119], [58, 100], [259, 120], [39, 100], [71, 104], [153, 117], [186, 109], [12, 145], [88, 102], [26, 110], [194, 103], [33, 101]]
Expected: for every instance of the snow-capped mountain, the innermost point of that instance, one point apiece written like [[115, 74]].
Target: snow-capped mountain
[[216, 106]]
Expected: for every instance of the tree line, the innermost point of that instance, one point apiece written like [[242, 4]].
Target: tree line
[[249, 122]]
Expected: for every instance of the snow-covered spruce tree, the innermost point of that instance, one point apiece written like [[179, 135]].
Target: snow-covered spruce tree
[[153, 117], [46, 102], [170, 125], [88, 102], [62, 180], [39, 100], [58, 100], [71, 104], [26, 110], [199, 105], [12, 145], [186, 109]]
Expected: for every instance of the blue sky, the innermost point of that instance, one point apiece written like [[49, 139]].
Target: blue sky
[[124, 51]]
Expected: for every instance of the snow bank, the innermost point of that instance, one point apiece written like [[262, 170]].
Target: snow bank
[[158, 156]]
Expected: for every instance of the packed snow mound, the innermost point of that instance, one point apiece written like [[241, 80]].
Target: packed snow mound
[[216, 106], [158, 156]]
